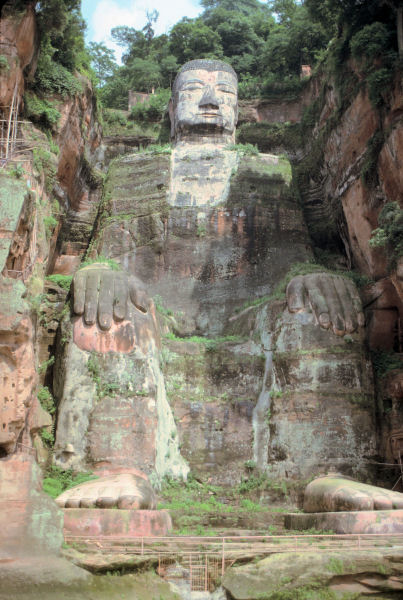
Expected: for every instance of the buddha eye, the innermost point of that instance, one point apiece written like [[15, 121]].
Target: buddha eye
[[226, 89], [192, 86]]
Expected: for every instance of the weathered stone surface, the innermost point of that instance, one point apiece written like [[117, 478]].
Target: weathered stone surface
[[17, 367], [18, 33], [56, 579], [116, 523], [113, 411], [213, 394], [363, 521], [30, 521], [102, 562], [317, 394], [16, 211], [376, 572], [46, 575], [220, 256], [79, 179]]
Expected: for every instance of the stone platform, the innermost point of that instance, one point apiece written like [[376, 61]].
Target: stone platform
[[116, 522], [366, 521]]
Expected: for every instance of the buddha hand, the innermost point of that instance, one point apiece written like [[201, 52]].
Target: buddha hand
[[334, 300], [103, 294]]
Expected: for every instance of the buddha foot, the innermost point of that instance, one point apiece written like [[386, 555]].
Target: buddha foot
[[122, 490], [334, 493]]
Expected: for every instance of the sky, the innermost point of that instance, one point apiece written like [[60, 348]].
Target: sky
[[102, 15]]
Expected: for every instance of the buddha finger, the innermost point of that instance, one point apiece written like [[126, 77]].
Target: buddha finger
[[105, 300], [317, 301], [344, 293], [356, 302], [91, 296], [139, 296], [296, 294], [79, 282], [334, 305], [120, 296]]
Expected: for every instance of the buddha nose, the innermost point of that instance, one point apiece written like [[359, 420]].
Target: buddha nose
[[209, 99]]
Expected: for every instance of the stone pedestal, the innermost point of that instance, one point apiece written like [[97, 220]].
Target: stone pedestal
[[116, 522], [365, 521]]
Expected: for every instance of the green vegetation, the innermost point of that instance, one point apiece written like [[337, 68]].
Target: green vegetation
[[159, 305], [47, 437], [389, 234], [112, 264], [50, 223], [63, 281], [153, 109], [46, 400], [44, 161], [209, 343], [384, 362], [266, 45], [193, 504], [268, 137], [16, 171], [307, 592], [4, 66], [58, 480], [336, 565], [157, 149], [103, 388], [43, 367], [244, 149]]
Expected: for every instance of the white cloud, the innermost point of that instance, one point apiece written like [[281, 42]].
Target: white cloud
[[109, 14]]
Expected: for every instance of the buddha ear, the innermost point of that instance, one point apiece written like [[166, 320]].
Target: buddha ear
[[171, 116]]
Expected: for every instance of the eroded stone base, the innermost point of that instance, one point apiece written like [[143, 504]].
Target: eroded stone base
[[116, 523], [366, 521]]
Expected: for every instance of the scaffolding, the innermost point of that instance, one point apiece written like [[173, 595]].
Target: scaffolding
[[9, 128]]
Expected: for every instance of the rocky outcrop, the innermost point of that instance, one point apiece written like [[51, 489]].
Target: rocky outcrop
[[78, 176], [18, 34], [295, 573]]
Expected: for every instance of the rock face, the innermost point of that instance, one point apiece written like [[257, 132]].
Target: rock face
[[19, 44], [349, 572], [31, 523], [280, 385], [79, 177], [21, 414]]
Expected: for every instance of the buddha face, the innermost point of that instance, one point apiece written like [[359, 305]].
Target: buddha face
[[204, 103]]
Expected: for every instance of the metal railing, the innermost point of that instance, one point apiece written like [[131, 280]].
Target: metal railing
[[205, 559]]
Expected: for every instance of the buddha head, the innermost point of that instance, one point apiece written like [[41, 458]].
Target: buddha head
[[204, 102]]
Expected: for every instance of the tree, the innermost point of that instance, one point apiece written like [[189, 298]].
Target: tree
[[190, 39], [102, 61], [152, 17], [284, 9], [133, 40], [143, 75], [246, 7], [169, 68]]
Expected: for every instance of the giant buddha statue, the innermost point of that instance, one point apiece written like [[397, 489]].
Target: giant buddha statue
[[208, 228]]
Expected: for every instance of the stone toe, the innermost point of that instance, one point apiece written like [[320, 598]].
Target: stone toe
[[382, 502], [72, 503], [129, 501], [105, 502], [87, 502]]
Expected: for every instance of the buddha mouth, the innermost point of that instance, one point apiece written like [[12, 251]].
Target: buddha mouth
[[210, 114]]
